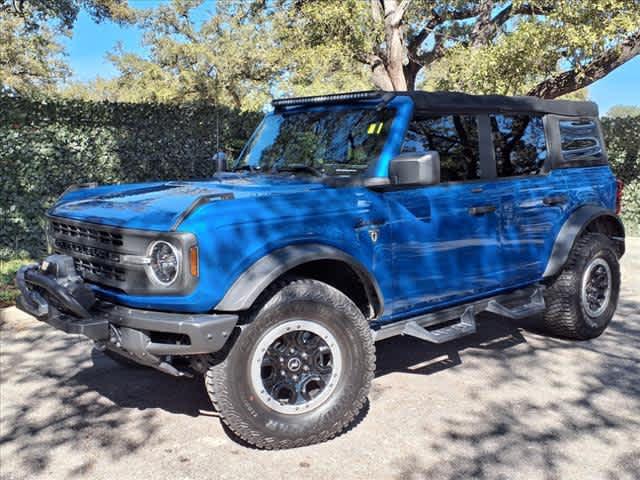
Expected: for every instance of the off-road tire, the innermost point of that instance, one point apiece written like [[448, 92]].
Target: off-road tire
[[229, 384], [565, 315]]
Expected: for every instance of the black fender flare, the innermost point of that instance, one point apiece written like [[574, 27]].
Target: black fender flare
[[572, 228], [252, 282]]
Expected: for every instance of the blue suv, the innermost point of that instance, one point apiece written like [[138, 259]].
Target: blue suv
[[346, 219]]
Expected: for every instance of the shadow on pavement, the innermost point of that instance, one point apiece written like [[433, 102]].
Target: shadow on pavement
[[94, 402]]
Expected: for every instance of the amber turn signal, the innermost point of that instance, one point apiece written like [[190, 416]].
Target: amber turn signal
[[193, 260]]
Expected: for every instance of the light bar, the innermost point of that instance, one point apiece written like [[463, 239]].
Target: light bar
[[339, 97]]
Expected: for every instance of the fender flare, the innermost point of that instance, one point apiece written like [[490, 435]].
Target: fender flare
[[572, 228], [252, 282]]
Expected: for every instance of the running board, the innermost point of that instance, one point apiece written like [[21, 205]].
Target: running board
[[534, 306], [466, 326], [532, 303]]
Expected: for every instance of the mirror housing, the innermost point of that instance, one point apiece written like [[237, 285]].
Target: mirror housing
[[415, 169]]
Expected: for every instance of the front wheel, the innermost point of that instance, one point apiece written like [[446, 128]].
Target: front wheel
[[583, 298], [300, 371]]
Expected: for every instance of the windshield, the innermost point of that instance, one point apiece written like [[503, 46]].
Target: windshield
[[325, 142]]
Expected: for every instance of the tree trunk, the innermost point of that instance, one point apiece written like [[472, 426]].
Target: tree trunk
[[395, 55], [599, 67], [388, 71]]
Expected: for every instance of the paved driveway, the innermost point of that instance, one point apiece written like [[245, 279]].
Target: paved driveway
[[503, 403]]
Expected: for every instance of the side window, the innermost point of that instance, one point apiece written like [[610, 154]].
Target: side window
[[580, 140], [519, 143], [454, 137]]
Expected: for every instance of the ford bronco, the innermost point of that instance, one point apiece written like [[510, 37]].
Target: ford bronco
[[346, 219]]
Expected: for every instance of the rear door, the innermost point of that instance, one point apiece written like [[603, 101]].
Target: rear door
[[445, 244], [534, 198]]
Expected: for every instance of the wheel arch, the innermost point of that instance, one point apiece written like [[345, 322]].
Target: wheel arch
[[589, 218], [317, 261]]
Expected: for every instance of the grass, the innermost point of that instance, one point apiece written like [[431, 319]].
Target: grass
[[8, 269]]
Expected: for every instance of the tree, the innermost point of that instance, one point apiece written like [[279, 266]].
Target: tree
[[31, 56], [623, 111], [544, 48], [240, 53], [235, 54]]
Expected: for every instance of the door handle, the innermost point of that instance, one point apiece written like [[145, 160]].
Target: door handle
[[554, 200], [482, 210]]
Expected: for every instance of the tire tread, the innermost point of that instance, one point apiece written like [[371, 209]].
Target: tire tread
[[217, 385]]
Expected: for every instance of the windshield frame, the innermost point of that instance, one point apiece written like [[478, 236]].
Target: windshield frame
[[378, 167]]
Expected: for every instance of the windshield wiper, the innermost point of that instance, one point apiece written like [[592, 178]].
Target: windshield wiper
[[298, 168]]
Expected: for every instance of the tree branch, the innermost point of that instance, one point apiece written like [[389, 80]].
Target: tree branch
[[395, 15], [599, 67], [485, 30], [483, 25], [376, 10]]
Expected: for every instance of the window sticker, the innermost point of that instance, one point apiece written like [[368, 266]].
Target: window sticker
[[375, 128]]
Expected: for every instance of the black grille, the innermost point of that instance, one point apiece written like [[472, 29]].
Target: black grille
[[101, 271], [94, 251], [83, 232], [87, 250]]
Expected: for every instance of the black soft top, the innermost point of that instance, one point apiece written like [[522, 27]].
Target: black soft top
[[448, 102]]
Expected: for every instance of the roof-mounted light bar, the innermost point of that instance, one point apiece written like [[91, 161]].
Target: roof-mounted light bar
[[339, 97]]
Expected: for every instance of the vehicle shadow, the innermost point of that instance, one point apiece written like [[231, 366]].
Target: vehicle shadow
[[411, 355], [102, 400], [144, 388]]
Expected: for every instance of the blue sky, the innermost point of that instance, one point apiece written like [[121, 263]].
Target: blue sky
[[91, 42]]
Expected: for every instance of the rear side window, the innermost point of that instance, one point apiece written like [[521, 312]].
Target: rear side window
[[580, 141], [454, 137], [519, 144]]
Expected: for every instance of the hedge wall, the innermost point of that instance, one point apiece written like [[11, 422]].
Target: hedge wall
[[47, 145], [622, 136]]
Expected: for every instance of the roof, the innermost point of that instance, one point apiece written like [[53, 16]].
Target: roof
[[445, 102]]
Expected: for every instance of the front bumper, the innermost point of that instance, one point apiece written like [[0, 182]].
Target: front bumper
[[145, 335]]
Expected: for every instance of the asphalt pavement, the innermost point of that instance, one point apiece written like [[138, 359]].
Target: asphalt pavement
[[505, 402]]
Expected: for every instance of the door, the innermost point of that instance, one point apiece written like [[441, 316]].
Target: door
[[534, 201], [445, 244]]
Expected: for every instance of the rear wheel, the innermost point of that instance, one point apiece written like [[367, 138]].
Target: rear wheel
[[583, 298], [300, 371]]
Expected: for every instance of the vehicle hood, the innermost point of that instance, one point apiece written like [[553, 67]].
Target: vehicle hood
[[160, 205]]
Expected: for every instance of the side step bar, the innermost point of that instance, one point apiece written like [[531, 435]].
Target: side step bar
[[528, 302], [534, 306], [466, 326]]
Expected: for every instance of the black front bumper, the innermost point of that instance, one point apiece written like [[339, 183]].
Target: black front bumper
[[144, 334]]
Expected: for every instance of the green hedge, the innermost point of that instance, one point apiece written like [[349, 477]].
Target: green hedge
[[47, 145], [622, 136]]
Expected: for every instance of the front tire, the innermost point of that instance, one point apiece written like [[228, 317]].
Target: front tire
[[582, 300], [299, 372]]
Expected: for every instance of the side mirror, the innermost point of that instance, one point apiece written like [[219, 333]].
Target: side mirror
[[415, 169]]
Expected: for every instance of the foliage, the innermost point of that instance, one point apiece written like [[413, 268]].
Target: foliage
[[622, 135], [526, 53], [31, 55], [618, 111], [238, 53], [48, 145], [222, 59], [8, 269]]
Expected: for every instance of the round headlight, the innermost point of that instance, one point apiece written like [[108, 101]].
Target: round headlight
[[165, 263]]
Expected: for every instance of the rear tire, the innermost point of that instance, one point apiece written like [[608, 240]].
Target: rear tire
[[299, 372], [583, 298]]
